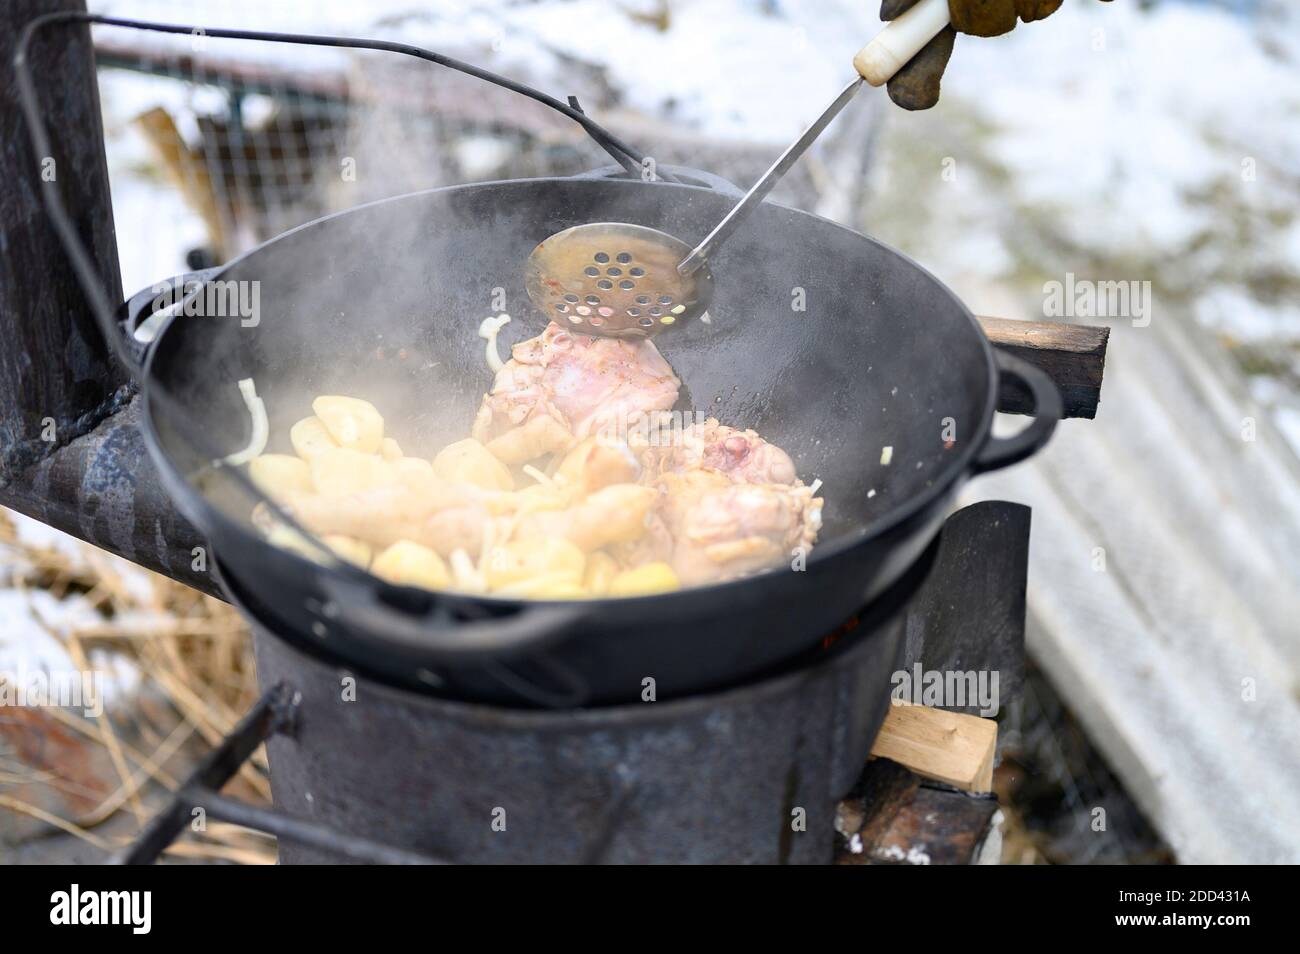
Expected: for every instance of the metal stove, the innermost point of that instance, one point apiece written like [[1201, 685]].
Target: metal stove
[[363, 771]]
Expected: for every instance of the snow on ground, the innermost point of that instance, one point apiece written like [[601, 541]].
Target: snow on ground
[[754, 69], [1153, 142], [31, 624], [1115, 114], [34, 622], [1169, 134], [1118, 142]]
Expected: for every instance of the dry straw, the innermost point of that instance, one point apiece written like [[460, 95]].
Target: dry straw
[[194, 659]]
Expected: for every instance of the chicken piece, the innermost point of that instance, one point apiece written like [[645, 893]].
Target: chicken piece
[[741, 455], [722, 529], [585, 385]]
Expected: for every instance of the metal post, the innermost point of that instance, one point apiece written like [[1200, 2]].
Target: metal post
[[57, 378]]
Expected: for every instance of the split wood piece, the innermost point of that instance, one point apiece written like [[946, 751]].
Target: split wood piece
[[1073, 356], [894, 817], [947, 746]]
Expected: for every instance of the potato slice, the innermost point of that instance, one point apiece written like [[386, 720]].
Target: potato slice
[[536, 438], [416, 468], [548, 586], [287, 538], [594, 464], [350, 549], [537, 497], [410, 564], [280, 475], [339, 471], [352, 422], [601, 571], [523, 560], [615, 514], [389, 449], [469, 462], [309, 437], [644, 580]]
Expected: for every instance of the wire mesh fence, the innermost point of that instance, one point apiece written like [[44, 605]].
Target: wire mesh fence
[[248, 141], [254, 146]]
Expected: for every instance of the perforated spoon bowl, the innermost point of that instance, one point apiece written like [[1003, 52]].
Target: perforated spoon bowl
[[615, 279], [622, 280]]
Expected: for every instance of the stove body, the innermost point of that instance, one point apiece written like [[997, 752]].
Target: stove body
[[748, 775], [362, 770]]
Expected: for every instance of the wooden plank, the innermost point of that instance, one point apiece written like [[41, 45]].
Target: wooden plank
[[968, 617], [1073, 356], [950, 747]]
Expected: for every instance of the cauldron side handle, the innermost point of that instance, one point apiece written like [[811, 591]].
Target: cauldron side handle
[[1000, 452]]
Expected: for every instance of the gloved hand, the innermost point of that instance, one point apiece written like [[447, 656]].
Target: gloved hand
[[916, 85]]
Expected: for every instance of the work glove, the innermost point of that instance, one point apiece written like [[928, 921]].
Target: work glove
[[916, 85]]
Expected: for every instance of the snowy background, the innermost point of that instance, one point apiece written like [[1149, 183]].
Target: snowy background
[[1156, 142]]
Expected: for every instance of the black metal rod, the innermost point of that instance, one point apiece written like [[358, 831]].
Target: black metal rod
[[305, 832], [272, 713]]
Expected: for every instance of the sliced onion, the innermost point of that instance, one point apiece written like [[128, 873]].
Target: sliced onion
[[465, 574], [537, 475], [261, 427], [489, 328]]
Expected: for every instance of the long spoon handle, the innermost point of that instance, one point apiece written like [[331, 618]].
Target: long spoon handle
[[700, 254], [876, 62]]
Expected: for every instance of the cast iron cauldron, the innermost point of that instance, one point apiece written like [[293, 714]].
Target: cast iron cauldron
[[384, 301]]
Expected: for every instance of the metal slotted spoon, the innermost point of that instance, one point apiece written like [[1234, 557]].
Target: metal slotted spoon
[[616, 279]]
